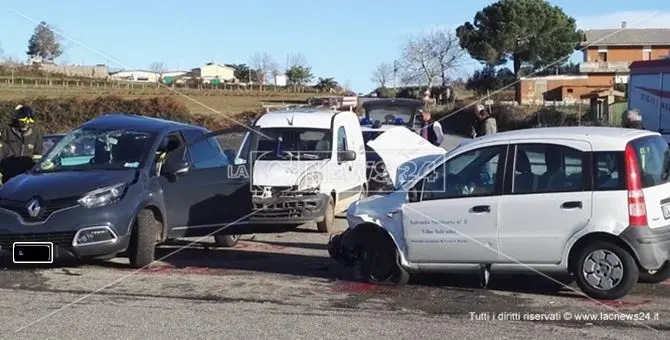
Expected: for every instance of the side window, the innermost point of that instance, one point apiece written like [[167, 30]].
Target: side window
[[474, 173], [207, 154], [542, 168], [608, 170], [341, 139], [168, 144]]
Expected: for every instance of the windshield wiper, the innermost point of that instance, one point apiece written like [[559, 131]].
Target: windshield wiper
[[309, 156], [289, 154]]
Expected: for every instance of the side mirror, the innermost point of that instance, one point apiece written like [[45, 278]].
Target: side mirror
[[175, 166], [230, 153], [346, 156]]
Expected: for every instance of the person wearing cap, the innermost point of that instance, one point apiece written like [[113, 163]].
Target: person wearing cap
[[20, 144], [484, 124], [431, 130], [632, 119]]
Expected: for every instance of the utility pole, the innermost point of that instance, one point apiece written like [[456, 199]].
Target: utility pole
[[395, 74]]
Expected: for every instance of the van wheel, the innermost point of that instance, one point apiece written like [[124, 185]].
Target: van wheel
[[227, 241], [326, 226], [144, 239], [606, 271], [657, 277], [379, 263]]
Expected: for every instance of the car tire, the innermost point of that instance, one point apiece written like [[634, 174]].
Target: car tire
[[326, 226], [144, 239], [607, 262], [379, 263], [658, 277], [226, 241]]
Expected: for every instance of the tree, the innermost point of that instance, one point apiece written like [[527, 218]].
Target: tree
[[382, 74], [327, 84], [299, 75], [158, 67], [527, 32], [298, 70], [243, 73], [264, 66], [431, 56], [489, 79], [44, 44]]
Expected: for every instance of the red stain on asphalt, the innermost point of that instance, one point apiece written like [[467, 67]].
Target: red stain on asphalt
[[666, 282], [620, 303], [257, 246], [359, 288]]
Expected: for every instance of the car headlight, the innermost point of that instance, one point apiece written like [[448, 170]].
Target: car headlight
[[103, 196], [309, 181]]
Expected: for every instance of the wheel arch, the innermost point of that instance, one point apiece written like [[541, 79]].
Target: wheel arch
[[596, 236]]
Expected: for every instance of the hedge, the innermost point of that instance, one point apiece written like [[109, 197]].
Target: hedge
[[63, 114]]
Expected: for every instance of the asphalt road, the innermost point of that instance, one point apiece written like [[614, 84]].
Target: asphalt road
[[284, 286]]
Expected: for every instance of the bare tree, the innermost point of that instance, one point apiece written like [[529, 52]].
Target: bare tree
[[296, 60], [382, 74], [431, 56], [264, 66], [158, 67]]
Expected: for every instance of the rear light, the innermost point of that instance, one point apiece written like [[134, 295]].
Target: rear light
[[637, 210]]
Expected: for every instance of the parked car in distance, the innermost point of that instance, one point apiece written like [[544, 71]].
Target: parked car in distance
[[590, 204], [121, 184], [394, 111], [308, 164]]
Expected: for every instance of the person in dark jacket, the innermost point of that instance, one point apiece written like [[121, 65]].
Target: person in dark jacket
[[20, 144], [431, 130]]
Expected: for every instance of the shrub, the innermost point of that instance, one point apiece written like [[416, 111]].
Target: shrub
[[63, 114]]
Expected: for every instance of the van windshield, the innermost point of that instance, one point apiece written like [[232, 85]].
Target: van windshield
[[653, 155], [294, 144]]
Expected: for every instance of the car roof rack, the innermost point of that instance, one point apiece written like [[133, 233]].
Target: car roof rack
[[335, 103]]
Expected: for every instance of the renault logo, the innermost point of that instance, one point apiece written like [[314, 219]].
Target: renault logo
[[34, 208]]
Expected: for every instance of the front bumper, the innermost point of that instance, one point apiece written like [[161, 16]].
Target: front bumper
[[651, 246], [289, 209], [61, 226]]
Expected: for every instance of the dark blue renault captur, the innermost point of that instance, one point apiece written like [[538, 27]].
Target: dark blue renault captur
[[121, 184]]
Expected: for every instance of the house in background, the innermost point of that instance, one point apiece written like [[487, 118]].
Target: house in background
[[607, 55], [144, 75], [213, 73]]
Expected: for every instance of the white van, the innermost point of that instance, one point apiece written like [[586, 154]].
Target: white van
[[308, 164]]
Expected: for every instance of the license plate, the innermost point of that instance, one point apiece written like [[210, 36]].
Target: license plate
[[666, 211], [33, 252]]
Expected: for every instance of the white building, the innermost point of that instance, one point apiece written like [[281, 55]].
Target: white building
[[211, 71], [144, 76]]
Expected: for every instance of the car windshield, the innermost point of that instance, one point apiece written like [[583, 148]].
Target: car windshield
[[389, 114], [294, 143], [97, 149]]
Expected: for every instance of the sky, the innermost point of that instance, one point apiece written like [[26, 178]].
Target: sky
[[345, 39]]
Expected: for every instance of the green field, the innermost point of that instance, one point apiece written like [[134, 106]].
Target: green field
[[198, 101]]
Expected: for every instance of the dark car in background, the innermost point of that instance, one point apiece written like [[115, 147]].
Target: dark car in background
[[119, 185], [394, 111]]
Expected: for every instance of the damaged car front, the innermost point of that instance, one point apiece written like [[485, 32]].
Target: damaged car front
[[378, 216]]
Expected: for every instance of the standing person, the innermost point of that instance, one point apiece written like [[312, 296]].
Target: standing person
[[431, 130], [484, 124], [20, 144], [632, 119]]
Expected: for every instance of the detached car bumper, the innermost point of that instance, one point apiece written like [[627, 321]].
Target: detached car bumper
[[73, 230], [651, 246], [289, 209]]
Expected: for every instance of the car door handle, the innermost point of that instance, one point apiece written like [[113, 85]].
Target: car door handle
[[480, 209], [572, 205]]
